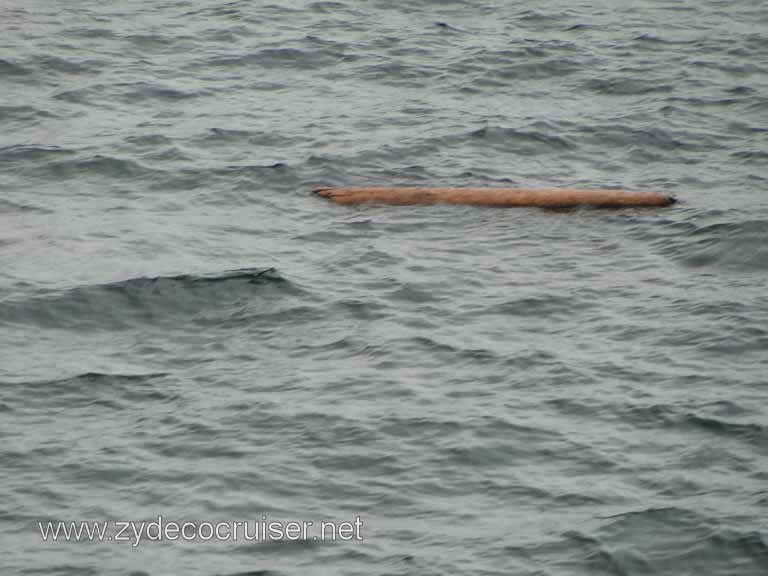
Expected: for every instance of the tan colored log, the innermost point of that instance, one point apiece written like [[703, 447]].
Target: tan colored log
[[497, 197]]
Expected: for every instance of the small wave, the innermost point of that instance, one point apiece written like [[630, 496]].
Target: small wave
[[663, 416], [249, 550], [22, 113], [630, 86], [149, 140], [276, 58], [45, 163], [64, 66], [151, 41], [92, 379], [751, 432], [613, 135], [398, 73], [649, 540], [523, 142], [539, 17], [579, 27], [443, 352], [90, 33], [759, 157], [499, 133], [538, 60], [741, 246], [127, 93], [164, 299], [546, 306], [243, 182], [224, 137], [104, 166], [79, 95], [24, 153], [8, 207], [652, 40], [142, 91], [106, 390], [10, 69]]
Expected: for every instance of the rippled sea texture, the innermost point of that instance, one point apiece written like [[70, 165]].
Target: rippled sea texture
[[185, 331]]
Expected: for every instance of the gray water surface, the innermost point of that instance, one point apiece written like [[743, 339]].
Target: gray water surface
[[186, 332]]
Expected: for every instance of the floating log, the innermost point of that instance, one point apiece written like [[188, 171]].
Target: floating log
[[496, 197]]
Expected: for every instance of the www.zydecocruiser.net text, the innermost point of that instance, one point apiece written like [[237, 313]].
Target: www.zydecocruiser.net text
[[235, 531]]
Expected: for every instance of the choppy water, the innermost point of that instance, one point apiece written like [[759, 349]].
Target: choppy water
[[185, 331]]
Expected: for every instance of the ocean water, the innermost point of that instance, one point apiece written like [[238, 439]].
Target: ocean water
[[187, 333]]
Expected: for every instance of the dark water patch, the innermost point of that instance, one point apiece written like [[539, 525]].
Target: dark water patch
[[362, 309], [22, 114], [328, 7], [398, 74], [323, 432], [727, 408], [750, 432], [412, 293], [360, 458], [504, 428], [545, 306], [49, 63], [266, 86], [580, 26], [276, 58], [627, 136], [759, 105], [534, 61], [655, 539], [626, 86], [440, 352], [266, 322], [249, 550], [331, 48], [164, 300], [22, 154], [168, 154], [80, 95], [503, 443], [94, 167], [420, 429], [751, 156], [739, 246], [739, 90], [9, 69], [156, 42], [84, 32], [92, 389], [491, 456], [652, 40], [215, 137], [8, 207], [690, 102], [746, 70], [142, 91], [538, 17], [149, 140], [62, 570], [524, 142], [674, 418], [139, 93], [537, 70], [329, 236], [447, 27], [236, 185]]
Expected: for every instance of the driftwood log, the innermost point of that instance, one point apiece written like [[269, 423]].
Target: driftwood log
[[496, 197]]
